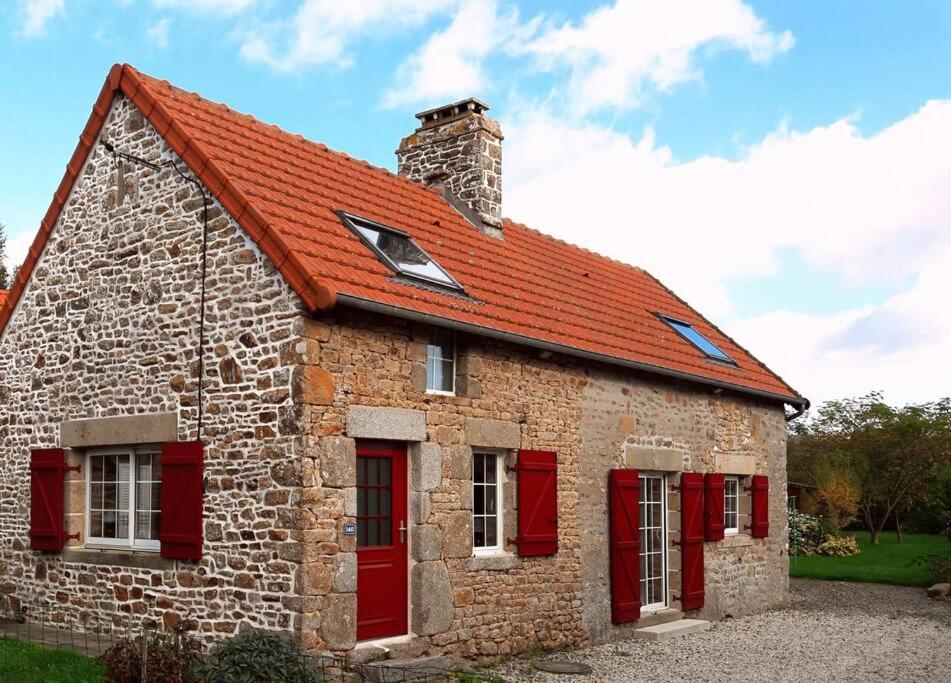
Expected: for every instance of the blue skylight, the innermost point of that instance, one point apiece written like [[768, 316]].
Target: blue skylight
[[687, 332]]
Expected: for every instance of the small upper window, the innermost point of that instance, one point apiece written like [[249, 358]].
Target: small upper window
[[441, 362], [687, 331], [401, 253]]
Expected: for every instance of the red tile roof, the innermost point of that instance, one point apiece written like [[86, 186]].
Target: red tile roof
[[284, 191]]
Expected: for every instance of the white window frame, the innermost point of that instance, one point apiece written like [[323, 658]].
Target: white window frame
[[130, 543], [442, 392], [727, 529], [499, 547]]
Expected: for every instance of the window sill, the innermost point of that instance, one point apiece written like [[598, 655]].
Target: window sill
[[493, 562], [434, 392], [735, 541], [139, 559]]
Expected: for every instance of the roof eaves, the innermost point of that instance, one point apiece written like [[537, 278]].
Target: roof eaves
[[793, 399]]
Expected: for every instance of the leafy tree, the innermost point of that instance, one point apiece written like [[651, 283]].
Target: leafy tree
[[892, 455]]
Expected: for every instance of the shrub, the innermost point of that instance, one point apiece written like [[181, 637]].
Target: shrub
[[840, 546], [811, 535], [806, 533], [168, 659], [258, 655]]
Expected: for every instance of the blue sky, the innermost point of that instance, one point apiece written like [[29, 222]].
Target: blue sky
[[786, 167]]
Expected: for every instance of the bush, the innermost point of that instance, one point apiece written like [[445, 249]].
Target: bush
[[839, 546], [806, 533], [258, 655], [169, 659], [811, 535]]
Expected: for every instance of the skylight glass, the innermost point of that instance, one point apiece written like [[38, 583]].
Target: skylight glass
[[400, 252], [687, 332]]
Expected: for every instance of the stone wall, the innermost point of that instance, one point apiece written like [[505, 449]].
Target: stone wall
[[108, 327], [472, 606], [655, 425]]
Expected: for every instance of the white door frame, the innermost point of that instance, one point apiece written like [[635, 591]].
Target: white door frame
[[646, 545]]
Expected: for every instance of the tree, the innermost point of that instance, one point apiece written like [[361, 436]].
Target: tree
[[4, 275], [893, 455]]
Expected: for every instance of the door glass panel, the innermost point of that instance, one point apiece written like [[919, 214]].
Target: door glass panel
[[374, 502], [652, 531]]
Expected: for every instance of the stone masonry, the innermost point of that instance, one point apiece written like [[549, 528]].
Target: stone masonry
[[462, 149], [108, 329]]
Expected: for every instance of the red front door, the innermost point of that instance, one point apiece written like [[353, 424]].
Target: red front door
[[381, 540]]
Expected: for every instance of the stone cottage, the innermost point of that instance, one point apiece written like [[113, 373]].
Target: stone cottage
[[247, 381]]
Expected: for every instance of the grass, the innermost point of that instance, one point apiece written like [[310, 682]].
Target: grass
[[29, 663], [887, 562]]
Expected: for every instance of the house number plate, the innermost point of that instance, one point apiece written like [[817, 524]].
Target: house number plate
[[349, 529]]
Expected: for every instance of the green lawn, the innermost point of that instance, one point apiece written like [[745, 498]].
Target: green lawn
[[28, 663], [887, 562]]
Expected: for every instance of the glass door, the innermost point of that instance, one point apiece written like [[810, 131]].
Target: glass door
[[653, 526]]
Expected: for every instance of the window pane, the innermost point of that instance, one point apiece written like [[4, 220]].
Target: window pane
[[490, 469], [108, 524], [440, 361], [109, 496], [490, 531], [143, 525], [385, 532], [478, 500], [698, 339], [373, 531], [385, 502], [109, 468], [122, 525], [362, 539], [96, 468], [478, 468], [95, 524], [403, 252], [490, 496], [478, 538]]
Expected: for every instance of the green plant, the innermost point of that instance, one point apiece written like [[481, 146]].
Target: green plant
[[258, 655], [169, 658], [28, 663], [838, 546]]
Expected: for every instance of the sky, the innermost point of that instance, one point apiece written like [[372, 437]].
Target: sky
[[783, 166]]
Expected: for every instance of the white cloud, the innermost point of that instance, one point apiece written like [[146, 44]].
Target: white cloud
[[615, 50], [868, 209], [158, 33], [900, 347], [226, 7], [449, 64], [37, 13], [322, 31]]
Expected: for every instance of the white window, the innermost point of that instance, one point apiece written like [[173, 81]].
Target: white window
[[486, 503], [123, 498], [731, 505], [441, 362]]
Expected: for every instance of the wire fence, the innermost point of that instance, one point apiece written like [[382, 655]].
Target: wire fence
[[93, 634]]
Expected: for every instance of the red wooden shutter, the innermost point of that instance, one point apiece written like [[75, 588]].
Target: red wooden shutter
[[537, 503], [713, 485], [691, 540], [182, 475], [760, 493], [625, 546], [46, 498]]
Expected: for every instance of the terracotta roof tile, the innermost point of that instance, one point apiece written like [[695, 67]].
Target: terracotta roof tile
[[285, 191]]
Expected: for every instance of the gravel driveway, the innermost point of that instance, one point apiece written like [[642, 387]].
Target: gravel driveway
[[828, 631]]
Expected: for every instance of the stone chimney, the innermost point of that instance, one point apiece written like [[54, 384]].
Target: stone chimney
[[459, 149]]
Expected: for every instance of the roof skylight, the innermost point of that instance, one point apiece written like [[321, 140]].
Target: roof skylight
[[687, 331], [398, 250]]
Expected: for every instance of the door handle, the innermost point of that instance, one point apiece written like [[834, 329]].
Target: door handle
[[402, 531]]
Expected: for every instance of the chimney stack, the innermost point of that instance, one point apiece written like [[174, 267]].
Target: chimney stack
[[459, 149]]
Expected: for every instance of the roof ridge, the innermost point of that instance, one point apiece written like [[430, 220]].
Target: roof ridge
[[320, 145]]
